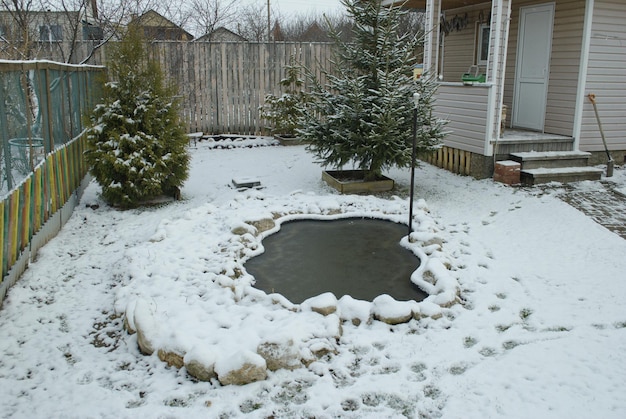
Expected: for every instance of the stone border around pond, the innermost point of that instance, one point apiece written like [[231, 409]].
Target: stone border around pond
[[245, 365]]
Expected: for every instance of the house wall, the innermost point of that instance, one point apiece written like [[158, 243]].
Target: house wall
[[71, 30], [606, 78], [567, 38], [468, 104], [459, 45], [460, 52]]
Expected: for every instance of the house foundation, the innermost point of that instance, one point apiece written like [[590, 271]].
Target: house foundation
[[462, 162], [600, 157]]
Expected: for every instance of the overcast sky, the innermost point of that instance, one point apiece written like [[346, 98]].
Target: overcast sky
[[294, 7]]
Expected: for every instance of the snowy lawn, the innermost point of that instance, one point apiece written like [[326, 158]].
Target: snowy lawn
[[539, 329]]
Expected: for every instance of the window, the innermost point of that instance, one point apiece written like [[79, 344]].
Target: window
[[92, 32], [4, 33], [482, 44], [50, 33]]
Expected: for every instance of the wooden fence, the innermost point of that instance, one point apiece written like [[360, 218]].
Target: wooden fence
[[223, 84], [35, 209]]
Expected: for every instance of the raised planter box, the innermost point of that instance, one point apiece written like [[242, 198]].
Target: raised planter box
[[288, 140], [351, 181]]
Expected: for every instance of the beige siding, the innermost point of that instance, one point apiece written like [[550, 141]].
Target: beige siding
[[459, 46], [606, 78], [465, 107], [564, 62]]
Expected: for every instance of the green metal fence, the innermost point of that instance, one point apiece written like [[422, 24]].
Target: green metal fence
[[42, 106]]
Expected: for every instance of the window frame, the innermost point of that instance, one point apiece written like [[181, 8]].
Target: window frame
[[482, 44], [50, 33]]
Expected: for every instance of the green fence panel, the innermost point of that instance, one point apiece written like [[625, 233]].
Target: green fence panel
[[42, 105]]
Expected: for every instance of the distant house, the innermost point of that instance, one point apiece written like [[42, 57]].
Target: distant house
[[159, 28], [221, 34], [539, 60], [45, 34], [315, 33]]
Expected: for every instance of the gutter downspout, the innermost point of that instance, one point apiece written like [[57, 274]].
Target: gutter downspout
[[582, 73]]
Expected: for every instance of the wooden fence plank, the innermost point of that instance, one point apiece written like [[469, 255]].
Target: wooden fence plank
[[38, 199], [3, 228], [26, 214], [52, 181], [14, 222]]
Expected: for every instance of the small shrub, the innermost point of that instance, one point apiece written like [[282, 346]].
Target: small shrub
[[284, 112], [136, 146]]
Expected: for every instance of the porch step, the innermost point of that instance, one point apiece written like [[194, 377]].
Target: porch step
[[519, 141], [560, 174], [555, 166], [551, 159]]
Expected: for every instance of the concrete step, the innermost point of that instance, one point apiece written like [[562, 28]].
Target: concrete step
[[559, 174], [551, 159]]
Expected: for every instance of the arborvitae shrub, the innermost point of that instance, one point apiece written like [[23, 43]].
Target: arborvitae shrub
[[136, 146]]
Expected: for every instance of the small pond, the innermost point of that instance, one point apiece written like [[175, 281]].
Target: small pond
[[359, 257]]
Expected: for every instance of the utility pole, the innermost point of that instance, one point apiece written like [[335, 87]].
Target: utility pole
[[269, 29]]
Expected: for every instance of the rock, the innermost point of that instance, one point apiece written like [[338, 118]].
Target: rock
[[127, 327], [280, 355], [146, 327], [324, 304], [239, 230], [129, 318], [388, 310], [200, 364], [356, 311], [322, 347], [171, 358], [201, 371], [242, 368], [428, 309], [332, 327], [436, 241], [263, 225]]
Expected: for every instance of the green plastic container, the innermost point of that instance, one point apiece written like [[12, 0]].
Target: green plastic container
[[470, 78]]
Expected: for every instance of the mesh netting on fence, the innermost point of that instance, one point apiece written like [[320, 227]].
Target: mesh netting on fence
[[41, 108]]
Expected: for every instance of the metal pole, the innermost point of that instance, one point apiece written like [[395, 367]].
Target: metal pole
[[416, 98], [269, 28]]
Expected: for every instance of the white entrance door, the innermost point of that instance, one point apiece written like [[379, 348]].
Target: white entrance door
[[533, 66]]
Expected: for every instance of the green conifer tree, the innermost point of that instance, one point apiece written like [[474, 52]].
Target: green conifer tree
[[363, 115], [284, 112], [136, 146]]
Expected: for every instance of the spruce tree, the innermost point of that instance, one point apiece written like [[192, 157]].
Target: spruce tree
[[136, 146], [284, 112], [364, 113]]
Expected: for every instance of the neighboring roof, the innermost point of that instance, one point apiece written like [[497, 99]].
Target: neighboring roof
[[159, 27], [315, 33], [221, 34], [153, 18]]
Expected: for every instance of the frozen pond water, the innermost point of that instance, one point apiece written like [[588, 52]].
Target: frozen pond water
[[362, 258]]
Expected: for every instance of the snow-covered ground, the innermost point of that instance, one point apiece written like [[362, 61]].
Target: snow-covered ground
[[540, 330]]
